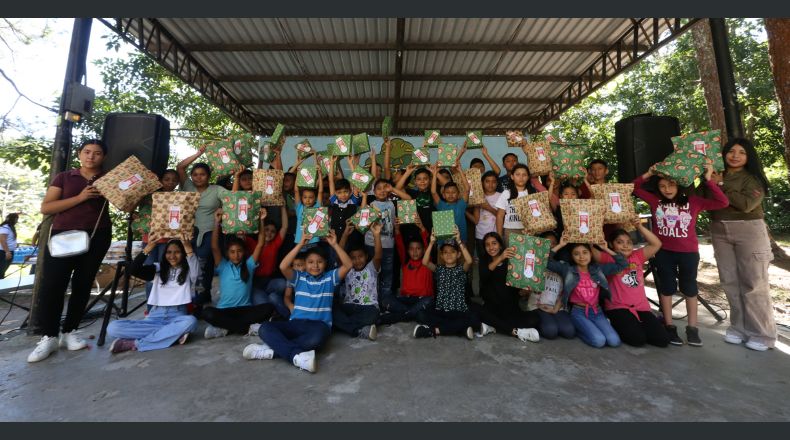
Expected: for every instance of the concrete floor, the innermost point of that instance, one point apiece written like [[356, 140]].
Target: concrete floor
[[397, 378]]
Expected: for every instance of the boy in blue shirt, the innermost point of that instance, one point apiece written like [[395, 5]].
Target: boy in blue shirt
[[307, 197], [455, 194]]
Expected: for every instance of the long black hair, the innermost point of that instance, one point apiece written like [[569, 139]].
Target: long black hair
[[753, 163], [11, 220], [164, 265], [499, 240], [512, 185], [232, 240]]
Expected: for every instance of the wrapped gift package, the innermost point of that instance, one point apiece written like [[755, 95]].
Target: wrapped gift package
[[266, 152], [306, 177], [340, 146], [682, 167], [221, 158], [243, 145], [535, 212], [432, 138], [443, 224], [277, 135], [526, 269], [474, 140], [360, 143], [324, 161], [240, 212], [316, 221], [304, 149], [568, 161], [386, 127], [360, 178], [706, 143], [126, 184], [364, 217], [269, 184], [538, 158], [617, 200], [142, 219], [407, 211], [173, 214], [474, 183], [421, 156], [448, 155], [514, 138], [583, 220]]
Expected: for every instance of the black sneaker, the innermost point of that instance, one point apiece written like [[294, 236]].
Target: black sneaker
[[423, 331], [692, 336], [672, 332]]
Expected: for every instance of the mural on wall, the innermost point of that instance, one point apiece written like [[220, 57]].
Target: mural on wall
[[400, 154]]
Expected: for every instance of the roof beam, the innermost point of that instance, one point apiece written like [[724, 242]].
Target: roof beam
[[362, 101], [404, 77], [456, 47], [420, 119], [294, 131], [401, 30]]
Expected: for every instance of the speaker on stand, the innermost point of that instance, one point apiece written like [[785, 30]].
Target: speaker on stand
[[641, 141]]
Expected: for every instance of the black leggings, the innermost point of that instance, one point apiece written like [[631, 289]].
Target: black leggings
[[647, 329], [449, 323], [81, 271], [504, 321], [237, 319]]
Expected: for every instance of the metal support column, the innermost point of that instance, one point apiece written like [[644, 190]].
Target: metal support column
[[729, 94]]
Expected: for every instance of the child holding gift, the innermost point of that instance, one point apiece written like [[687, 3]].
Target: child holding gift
[[454, 198], [450, 315], [508, 219], [484, 216], [268, 286], [311, 312], [584, 287], [674, 222], [343, 202], [554, 319], [422, 194], [307, 197]]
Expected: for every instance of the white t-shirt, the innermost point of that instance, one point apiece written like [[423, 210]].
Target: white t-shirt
[[10, 237], [512, 220], [172, 293], [487, 221]]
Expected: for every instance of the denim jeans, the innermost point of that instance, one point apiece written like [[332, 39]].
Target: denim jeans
[[350, 318], [270, 291], [594, 329], [160, 329], [289, 338], [206, 276], [553, 324], [385, 276]]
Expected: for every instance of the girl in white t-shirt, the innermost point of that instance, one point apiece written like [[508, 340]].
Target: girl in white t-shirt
[[484, 216], [507, 219]]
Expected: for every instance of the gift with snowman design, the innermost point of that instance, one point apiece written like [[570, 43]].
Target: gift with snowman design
[[269, 184], [526, 269], [240, 211]]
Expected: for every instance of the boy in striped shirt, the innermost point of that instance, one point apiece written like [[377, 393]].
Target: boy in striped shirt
[[311, 309]]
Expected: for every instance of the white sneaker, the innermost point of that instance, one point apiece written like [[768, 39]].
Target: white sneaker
[[253, 331], [214, 332], [470, 334], [732, 339], [45, 347], [485, 329], [368, 332], [305, 360], [258, 351], [72, 341], [528, 334], [757, 346]]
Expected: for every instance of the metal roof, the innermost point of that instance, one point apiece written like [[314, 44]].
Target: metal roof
[[321, 76]]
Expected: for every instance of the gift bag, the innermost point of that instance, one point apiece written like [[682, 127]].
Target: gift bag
[[340, 146], [514, 138], [526, 269], [173, 214], [617, 200], [706, 143], [242, 147], [443, 224], [583, 220], [538, 158], [364, 217], [474, 140], [567, 161], [240, 212], [386, 127], [126, 184], [535, 212], [360, 143], [324, 161], [306, 177], [221, 158], [681, 167], [432, 138], [304, 149], [142, 220], [277, 135], [448, 155], [407, 211], [266, 152], [269, 184], [360, 178], [421, 156], [316, 221], [475, 184]]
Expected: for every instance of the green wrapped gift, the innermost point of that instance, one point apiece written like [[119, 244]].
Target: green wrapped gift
[[221, 158], [421, 156], [364, 217], [407, 211], [240, 212], [306, 177], [526, 269], [360, 178], [386, 127], [448, 155], [324, 161], [432, 138], [474, 140], [340, 146], [360, 143], [706, 143], [304, 149], [266, 152], [443, 224], [568, 160], [142, 219], [682, 167], [277, 135], [243, 146], [316, 221]]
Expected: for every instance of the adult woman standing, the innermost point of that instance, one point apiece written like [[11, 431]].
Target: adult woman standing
[[7, 242], [204, 219], [742, 247], [76, 205]]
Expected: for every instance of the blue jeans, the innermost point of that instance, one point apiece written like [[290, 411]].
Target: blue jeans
[[594, 329], [553, 324], [206, 260], [350, 318], [385, 275], [289, 338], [270, 291], [160, 329]]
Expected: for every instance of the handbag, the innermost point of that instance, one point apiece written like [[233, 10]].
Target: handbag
[[74, 242]]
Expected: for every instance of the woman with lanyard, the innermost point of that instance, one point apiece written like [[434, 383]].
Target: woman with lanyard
[[76, 205], [204, 219], [7, 242], [742, 247]]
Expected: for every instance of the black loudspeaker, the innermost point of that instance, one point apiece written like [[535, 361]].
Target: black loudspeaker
[[641, 141], [141, 134]]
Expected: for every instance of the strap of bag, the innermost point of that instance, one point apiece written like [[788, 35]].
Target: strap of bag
[[98, 219]]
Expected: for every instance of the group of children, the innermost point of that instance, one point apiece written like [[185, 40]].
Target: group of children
[[354, 282]]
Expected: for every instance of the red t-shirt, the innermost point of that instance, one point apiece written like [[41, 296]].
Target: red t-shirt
[[628, 286], [417, 278], [84, 215], [267, 260]]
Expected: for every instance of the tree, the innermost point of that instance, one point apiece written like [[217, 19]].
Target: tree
[[709, 76], [778, 30]]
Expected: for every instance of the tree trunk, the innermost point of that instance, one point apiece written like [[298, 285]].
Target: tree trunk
[[778, 30], [709, 76]]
